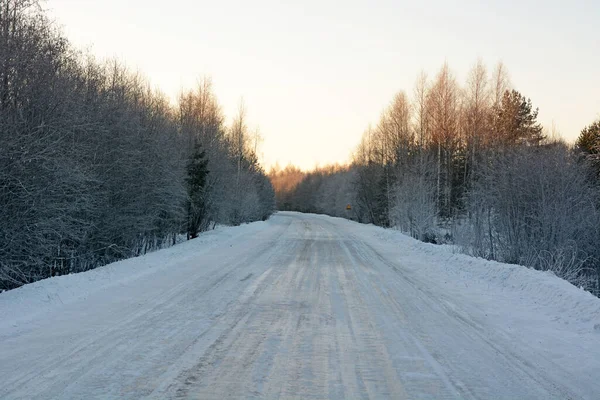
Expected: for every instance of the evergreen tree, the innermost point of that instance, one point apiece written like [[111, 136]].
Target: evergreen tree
[[589, 143], [382, 198], [197, 172], [516, 121]]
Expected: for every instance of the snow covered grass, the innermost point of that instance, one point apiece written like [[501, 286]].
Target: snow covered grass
[[41, 296]]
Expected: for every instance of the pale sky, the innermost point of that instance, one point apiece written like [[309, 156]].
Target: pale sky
[[315, 73]]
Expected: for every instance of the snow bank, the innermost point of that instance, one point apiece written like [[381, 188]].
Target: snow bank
[[543, 291], [39, 297]]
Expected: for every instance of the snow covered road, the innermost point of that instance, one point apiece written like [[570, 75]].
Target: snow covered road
[[302, 306]]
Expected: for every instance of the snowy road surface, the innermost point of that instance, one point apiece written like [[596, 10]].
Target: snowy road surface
[[301, 306]]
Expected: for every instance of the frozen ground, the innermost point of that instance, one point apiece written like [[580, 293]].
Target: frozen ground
[[302, 306]]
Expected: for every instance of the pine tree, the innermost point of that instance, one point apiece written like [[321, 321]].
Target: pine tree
[[197, 172], [589, 143], [516, 121]]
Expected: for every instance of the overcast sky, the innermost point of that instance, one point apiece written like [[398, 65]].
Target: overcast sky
[[315, 73]]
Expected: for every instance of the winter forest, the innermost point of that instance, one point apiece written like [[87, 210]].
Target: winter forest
[[468, 165], [96, 166]]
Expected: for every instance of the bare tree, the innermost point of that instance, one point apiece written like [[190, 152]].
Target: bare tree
[[444, 106]]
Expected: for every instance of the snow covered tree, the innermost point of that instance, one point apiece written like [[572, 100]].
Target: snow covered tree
[[93, 161], [470, 165]]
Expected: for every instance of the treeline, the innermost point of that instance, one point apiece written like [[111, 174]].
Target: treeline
[[326, 190], [471, 165], [95, 166]]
